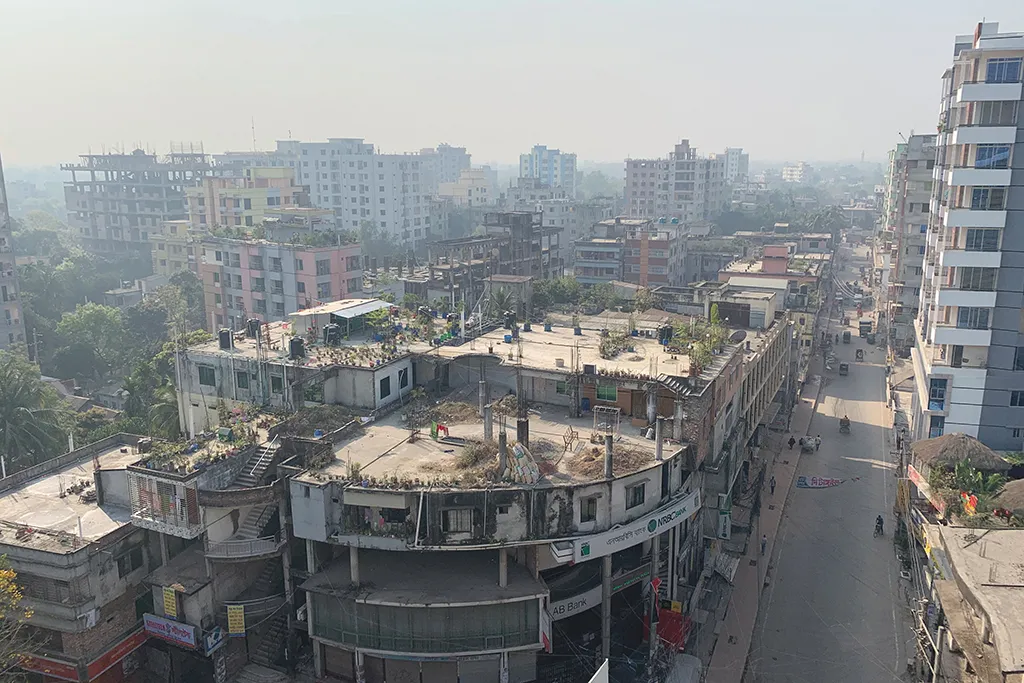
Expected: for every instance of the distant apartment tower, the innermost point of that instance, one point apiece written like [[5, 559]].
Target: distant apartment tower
[[551, 167], [449, 162], [737, 164], [13, 330], [908, 190], [474, 187], [348, 176], [243, 200], [685, 185], [969, 357], [798, 173], [115, 200], [245, 279]]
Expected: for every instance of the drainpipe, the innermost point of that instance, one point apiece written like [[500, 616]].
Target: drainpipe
[[608, 469], [658, 442]]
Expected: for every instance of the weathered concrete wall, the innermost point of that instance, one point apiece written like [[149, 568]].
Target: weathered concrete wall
[[310, 505]]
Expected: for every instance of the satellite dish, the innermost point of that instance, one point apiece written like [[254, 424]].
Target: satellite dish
[[738, 336]]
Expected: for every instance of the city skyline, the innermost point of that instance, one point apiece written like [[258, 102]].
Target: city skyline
[[415, 88]]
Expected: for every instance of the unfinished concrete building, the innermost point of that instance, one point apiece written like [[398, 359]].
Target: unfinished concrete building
[[114, 201]]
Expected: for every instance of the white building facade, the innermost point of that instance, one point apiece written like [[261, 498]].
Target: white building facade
[[551, 167], [737, 164]]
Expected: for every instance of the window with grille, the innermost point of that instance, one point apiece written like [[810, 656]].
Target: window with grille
[[459, 520]]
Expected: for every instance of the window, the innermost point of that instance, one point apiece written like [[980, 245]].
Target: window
[[635, 495], [561, 388], [1018, 359], [992, 156], [323, 291], [247, 204], [258, 284], [588, 509], [323, 267], [276, 384], [216, 277], [458, 521], [1017, 399], [275, 264], [385, 387], [216, 299], [937, 394], [242, 380], [207, 377], [995, 113], [1003, 70], [972, 318], [936, 426], [298, 264], [978, 279], [982, 240], [129, 562], [607, 393], [403, 378], [300, 287], [988, 198]]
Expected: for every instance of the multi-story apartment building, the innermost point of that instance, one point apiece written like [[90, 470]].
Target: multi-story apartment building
[[737, 165], [908, 190], [266, 280], [640, 251], [13, 327], [80, 563], [574, 219], [798, 173], [174, 247], [969, 357], [361, 185], [527, 192], [449, 161], [684, 185], [114, 201], [551, 167], [473, 187], [243, 200]]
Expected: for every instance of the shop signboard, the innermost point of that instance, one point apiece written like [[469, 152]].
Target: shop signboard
[[116, 653], [563, 609], [180, 634], [627, 535], [52, 668], [170, 602], [922, 485], [236, 621]]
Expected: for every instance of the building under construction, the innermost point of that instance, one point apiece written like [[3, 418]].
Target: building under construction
[[114, 201]]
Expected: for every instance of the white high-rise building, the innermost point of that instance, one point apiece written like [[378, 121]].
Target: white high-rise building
[[12, 327], [449, 162], [737, 164], [685, 186], [348, 176], [969, 356], [551, 167]]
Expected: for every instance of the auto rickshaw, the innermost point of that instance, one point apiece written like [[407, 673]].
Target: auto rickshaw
[[844, 425], [860, 354], [846, 337], [844, 369]]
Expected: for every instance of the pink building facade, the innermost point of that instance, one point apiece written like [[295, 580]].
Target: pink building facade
[[245, 279]]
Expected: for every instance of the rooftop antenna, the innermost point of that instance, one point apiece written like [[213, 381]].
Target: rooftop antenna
[[252, 121]]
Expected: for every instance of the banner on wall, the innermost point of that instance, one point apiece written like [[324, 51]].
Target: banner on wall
[[170, 603], [236, 620]]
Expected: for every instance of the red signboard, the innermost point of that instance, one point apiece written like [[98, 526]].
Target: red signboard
[[926, 490], [116, 653], [51, 667]]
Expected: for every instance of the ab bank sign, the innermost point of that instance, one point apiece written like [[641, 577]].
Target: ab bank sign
[[637, 531]]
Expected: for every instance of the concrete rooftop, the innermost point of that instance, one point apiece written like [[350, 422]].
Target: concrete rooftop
[[54, 521], [425, 579]]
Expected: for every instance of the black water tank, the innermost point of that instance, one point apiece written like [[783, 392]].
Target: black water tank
[[296, 348], [252, 328], [332, 334], [224, 336]]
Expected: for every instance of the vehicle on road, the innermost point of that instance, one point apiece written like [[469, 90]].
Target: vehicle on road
[[844, 425], [878, 527], [844, 369], [860, 354], [871, 338], [808, 444], [865, 327], [846, 337]]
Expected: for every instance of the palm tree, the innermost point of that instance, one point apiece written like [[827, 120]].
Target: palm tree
[[32, 420], [501, 300], [163, 412]]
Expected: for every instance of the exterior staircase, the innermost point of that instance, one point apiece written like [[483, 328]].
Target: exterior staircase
[[253, 471], [673, 382], [272, 644], [254, 522], [254, 673]]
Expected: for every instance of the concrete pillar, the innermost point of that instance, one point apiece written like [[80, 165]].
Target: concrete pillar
[[164, 555], [677, 419], [353, 563], [609, 468], [523, 431], [488, 422], [360, 668], [482, 395], [606, 607], [655, 555], [652, 404], [502, 568], [659, 446], [502, 452], [311, 564]]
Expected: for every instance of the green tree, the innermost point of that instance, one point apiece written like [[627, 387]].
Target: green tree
[[499, 301], [163, 412], [96, 327], [141, 387], [33, 420], [715, 319], [15, 638], [644, 300]]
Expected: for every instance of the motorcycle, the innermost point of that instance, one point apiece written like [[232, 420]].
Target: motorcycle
[[844, 426], [878, 530]]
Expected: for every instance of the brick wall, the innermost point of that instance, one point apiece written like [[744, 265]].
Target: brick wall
[[115, 620]]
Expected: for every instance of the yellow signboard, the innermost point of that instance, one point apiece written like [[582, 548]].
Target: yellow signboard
[[170, 603], [236, 620]]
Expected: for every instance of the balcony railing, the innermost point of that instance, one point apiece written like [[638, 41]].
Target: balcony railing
[[255, 547]]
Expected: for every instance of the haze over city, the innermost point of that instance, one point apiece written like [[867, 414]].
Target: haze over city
[[787, 80]]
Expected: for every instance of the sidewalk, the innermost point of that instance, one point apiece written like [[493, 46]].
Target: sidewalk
[[729, 660]]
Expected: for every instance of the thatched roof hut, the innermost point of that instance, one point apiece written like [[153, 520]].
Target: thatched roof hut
[[1012, 496], [949, 449]]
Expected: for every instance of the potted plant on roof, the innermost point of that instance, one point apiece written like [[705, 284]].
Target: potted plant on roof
[[576, 329], [548, 323]]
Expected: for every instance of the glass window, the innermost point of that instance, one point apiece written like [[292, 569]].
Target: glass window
[[1003, 70], [972, 318], [242, 380], [276, 384], [1018, 359], [988, 198], [1017, 399], [978, 279], [460, 520], [588, 509], [992, 156], [385, 387], [937, 394], [561, 388], [979, 239], [995, 113], [207, 377], [635, 495], [606, 393], [403, 378], [936, 425]]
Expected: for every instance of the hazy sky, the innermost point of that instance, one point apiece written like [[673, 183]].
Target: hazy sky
[[785, 79]]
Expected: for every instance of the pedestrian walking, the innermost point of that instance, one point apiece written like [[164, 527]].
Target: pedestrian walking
[[771, 484], [764, 542], [792, 441], [817, 442]]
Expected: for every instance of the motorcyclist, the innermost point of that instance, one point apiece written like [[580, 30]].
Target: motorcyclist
[[879, 524]]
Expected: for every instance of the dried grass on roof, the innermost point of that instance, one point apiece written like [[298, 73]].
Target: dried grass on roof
[[949, 449], [589, 461]]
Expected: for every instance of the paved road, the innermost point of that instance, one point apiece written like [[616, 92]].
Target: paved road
[[831, 612]]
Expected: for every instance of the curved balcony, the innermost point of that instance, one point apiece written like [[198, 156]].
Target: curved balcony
[[246, 549], [243, 497]]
